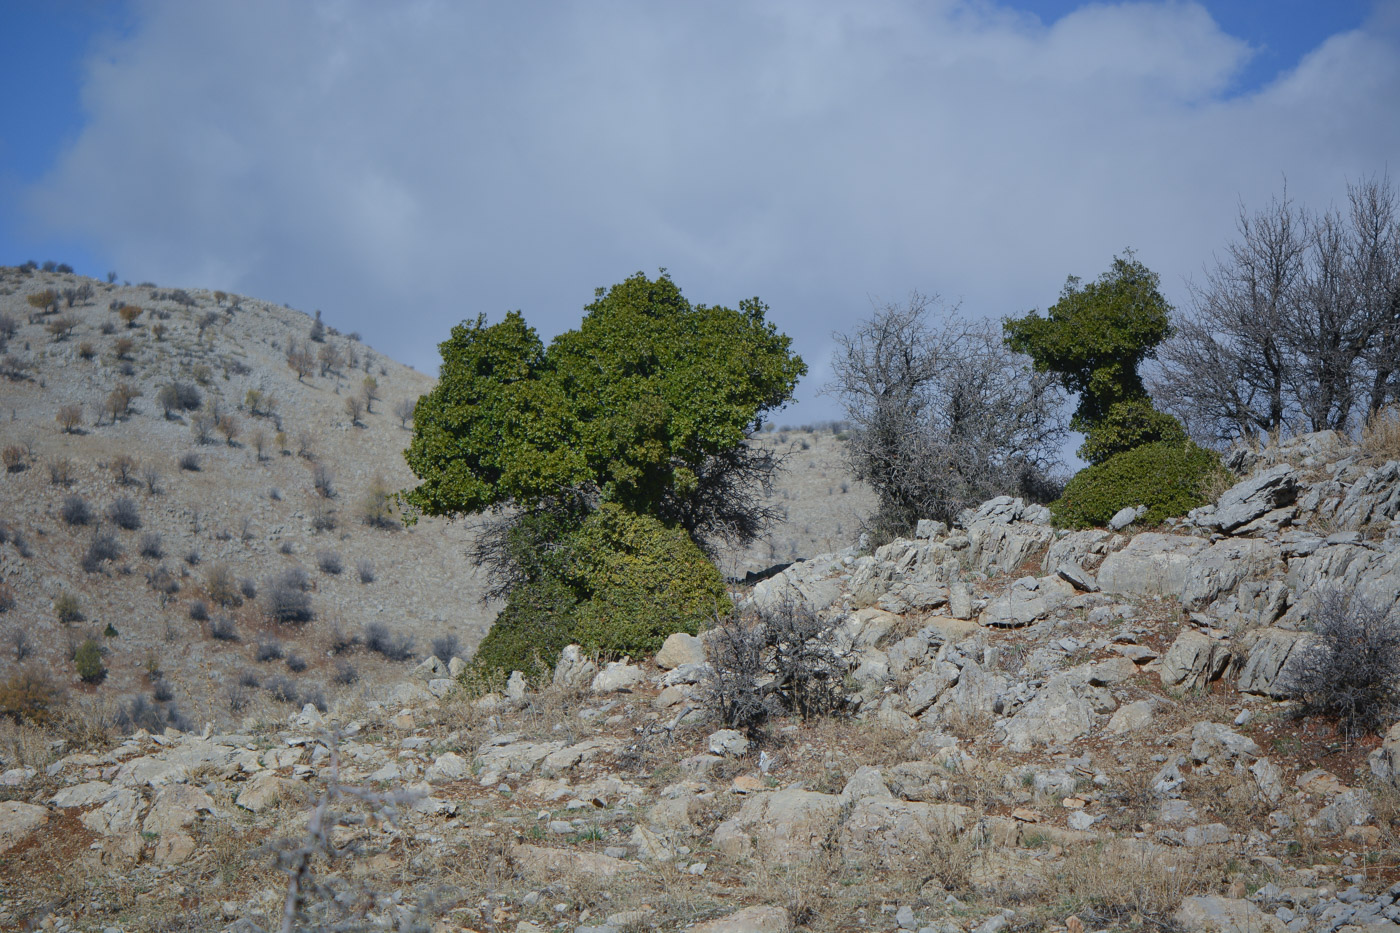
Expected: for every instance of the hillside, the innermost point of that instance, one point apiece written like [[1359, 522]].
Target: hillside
[[219, 517], [1037, 730]]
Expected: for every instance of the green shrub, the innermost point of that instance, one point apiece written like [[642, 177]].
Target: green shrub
[[88, 660], [1127, 425], [1167, 478], [618, 585], [645, 582]]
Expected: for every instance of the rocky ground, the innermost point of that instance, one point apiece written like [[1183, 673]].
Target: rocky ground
[[1045, 731]]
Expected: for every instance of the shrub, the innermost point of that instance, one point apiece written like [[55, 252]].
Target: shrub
[[281, 688], [151, 546], [163, 582], [344, 673], [1170, 480], [88, 661], [199, 612], [162, 691], [123, 469], [268, 651], [139, 713], [124, 514], [61, 472], [249, 679], [446, 647], [732, 689], [380, 639], [1352, 668], [365, 568], [104, 547], [123, 346], [192, 557], [323, 518], [151, 477], [222, 629], [248, 588], [223, 589], [189, 461], [296, 663], [69, 417], [13, 458], [30, 695], [323, 481], [340, 641], [86, 351], [7, 597], [287, 599], [377, 507], [329, 562], [75, 510]]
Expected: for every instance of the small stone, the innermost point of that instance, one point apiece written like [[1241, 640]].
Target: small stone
[[728, 742]]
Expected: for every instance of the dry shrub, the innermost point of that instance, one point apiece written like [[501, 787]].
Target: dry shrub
[[1352, 671], [30, 695], [1113, 881], [222, 587], [1381, 436]]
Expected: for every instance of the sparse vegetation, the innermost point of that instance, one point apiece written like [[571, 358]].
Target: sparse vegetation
[[88, 662], [384, 641], [61, 472], [222, 628], [329, 562], [1351, 670], [189, 461], [286, 598], [222, 587], [365, 568], [1168, 478], [75, 510], [69, 417], [124, 514], [151, 546]]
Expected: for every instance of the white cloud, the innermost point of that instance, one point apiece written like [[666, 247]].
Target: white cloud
[[404, 166]]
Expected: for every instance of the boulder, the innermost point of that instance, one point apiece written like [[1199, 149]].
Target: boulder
[[556, 862], [748, 920], [1126, 516], [784, 826], [1193, 660], [515, 686], [618, 675], [575, 670], [1220, 568], [1214, 914], [1373, 498], [262, 791], [1273, 656], [729, 743], [927, 687], [1084, 549], [19, 821], [1151, 565], [883, 830], [1057, 714], [1244, 502], [1385, 761], [1027, 600], [446, 768], [680, 649], [1131, 717], [1216, 743]]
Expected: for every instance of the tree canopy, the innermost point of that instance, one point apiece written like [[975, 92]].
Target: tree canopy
[[646, 404], [1095, 338]]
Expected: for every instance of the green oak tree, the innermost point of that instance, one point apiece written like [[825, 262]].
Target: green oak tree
[[1094, 339]]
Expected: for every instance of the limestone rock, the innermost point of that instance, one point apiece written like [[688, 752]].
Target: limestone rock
[[785, 825], [1126, 516], [557, 862], [574, 670], [728, 743], [446, 768], [1151, 565], [1027, 600], [1268, 667], [1213, 914], [618, 675], [1193, 659], [1264, 492], [678, 649], [884, 830], [748, 920], [927, 687], [262, 791], [1131, 717], [1213, 742], [19, 821], [1059, 713]]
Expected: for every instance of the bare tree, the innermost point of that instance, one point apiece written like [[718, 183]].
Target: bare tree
[[1296, 326], [944, 415]]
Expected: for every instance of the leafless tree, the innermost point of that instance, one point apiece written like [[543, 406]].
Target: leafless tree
[[1296, 326], [943, 414]]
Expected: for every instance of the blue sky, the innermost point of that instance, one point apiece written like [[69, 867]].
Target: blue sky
[[404, 166]]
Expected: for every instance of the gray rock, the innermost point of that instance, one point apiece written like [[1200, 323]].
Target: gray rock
[[1057, 714], [574, 670], [730, 743], [446, 768], [515, 686], [1271, 489], [1213, 914], [1219, 569], [1216, 743], [680, 649], [959, 600], [1026, 601], [618, 675], [19, 821], [1274, 654], [1384, 762], [1373, 498], [1151, 565], [1353, 807], [1131, 717], [1126, 516], [1193, 660], [748, 920], [784, 826], [1077, 577], [927, 687], [928, 528]]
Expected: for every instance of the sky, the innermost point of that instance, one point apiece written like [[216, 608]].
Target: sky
[[406, 166]]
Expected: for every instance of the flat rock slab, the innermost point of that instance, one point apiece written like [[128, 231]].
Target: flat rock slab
[[749, 920], [18, 821]]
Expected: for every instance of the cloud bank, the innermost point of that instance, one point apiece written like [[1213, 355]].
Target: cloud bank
[[405, 166]]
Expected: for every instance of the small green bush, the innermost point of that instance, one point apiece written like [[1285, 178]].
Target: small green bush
[[88, 661], [617, 585], [1169, 479]]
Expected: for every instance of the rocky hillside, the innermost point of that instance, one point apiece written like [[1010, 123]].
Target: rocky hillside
[[182, 466], [1042, 731]]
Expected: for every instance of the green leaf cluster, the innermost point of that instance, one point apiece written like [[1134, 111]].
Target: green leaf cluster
[[88, 661], [1095, 338], [1169, 478], [632, 406], [618, 583]]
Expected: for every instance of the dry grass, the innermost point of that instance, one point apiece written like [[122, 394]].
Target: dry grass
[[1380, 438], [1133, 883]]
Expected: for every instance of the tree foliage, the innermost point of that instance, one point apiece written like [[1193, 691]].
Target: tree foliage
[[646, 404], [943, 414], [1169, 478], [1094, 339]]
